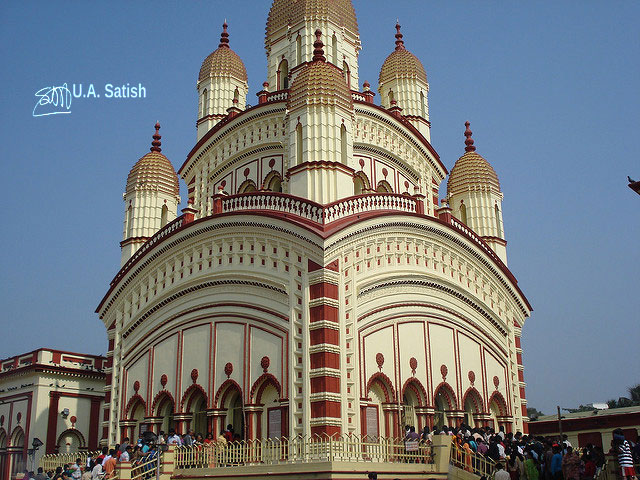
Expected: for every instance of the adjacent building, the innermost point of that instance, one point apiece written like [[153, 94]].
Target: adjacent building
[[51, 400]]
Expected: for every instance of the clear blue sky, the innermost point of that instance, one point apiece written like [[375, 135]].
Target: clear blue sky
[[552, 90]]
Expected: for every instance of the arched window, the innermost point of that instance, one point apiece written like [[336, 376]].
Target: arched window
[[347, 73], [360, 183], [205, 103], [235, 414], [283, 75], [498, 222], [247, 186], [391, 98], [463, 213], [408, 413], [343, 144], [164, 216], [423, 105], [128, 228], [299, 144], [298, 50], [334, 50], [273, 182], [384, 187]]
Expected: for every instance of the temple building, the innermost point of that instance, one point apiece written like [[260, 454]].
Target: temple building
[[314, 283]]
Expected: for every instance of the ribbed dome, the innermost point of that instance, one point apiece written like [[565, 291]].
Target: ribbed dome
[[291, 12], [472, 171], [319, 82], [154, 172], [401, 63], [223, 61]]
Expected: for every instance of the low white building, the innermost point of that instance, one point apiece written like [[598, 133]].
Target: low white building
[[52, 396]]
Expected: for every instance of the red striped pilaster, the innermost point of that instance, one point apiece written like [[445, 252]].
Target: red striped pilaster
[[324, 349]]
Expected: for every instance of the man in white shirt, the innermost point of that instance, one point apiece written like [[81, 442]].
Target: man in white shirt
[[501, 474], [174, 439], [126, 455], [96, 473]]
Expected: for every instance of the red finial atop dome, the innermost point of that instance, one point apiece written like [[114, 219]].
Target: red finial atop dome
[[155, 145], [224, 36], [399, 41], [318, 52], [469, 141]]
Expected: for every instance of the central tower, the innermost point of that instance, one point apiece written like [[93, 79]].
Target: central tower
[[290, 36]]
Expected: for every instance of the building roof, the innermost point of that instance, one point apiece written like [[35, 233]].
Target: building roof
[[154, 171], [472, 171], [291, 12], [401, 63], [319, 82], [223, 62], [590, 414]]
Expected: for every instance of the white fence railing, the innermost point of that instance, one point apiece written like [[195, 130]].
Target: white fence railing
[[315, 212], [302, 449]]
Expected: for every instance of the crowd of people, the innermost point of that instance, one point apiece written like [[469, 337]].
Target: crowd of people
[[516, 456], [103, 465], [526, 457]]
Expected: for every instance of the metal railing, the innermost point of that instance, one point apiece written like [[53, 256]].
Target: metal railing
[[303, 449], [472, 462], [51, 461], [146, 467]]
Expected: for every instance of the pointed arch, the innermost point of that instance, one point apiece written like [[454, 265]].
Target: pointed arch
[[298, 143], [418, 389], [261, 383], [386, 385], [476, 399], [133, 403], [343, 144], [447, 392], [189, 395], [334, 49], [347, 73], [159, 400], [222, 393], [3, 438], [498, 222], [497, 399], [247, 186]]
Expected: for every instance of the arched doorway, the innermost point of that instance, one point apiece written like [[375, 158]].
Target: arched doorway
[[198, 409], [16, 453], [229, 398], [381, 394], [247, 186], [165, 408], [272, 419], [3, 450], [444, 401], [137, 415], [283, 75], [472, 405], [497, 409], [273, 182], [70, 441]]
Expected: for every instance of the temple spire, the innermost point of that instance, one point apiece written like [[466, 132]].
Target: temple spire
[[224, 36], [155, 145], [318, 52], [399, 41], [469, 141]]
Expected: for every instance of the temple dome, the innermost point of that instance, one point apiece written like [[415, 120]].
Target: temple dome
[[291, 12], [319, 82], [223, 61], [154, 172], [401, 63], [472, 171]]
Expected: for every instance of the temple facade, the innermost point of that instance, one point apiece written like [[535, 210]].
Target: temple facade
[[314, 283]]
